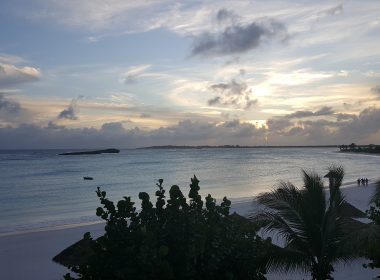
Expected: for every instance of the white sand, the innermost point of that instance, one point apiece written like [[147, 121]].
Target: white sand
[[28, 255]]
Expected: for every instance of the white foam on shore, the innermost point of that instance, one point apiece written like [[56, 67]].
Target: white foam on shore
[[28, 255]]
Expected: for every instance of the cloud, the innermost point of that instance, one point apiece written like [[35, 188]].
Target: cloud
[[376, 91], [224, 15], [342, 117], [280, 131], [94, 15], [9, 110], [366, 123], [134, 73], [324, 111], [113, 127], [11, 75], [70, 112], [333, 11], [115, 135], [10, 59], [278, 124], [52, 125], [236, 38], [236, 94], [8, 105]]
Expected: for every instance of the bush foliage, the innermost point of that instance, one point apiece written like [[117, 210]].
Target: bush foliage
[[372, 251], [175, 239]]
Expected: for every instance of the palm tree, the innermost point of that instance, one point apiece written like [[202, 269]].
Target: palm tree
[[311, 225]]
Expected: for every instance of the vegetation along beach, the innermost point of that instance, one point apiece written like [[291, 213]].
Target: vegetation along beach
[[190, 140]]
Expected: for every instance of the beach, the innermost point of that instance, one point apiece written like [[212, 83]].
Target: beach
[[28, 255]]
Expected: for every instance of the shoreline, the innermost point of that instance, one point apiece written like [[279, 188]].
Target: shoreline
[[358, 153], [51, 228], [28, 255], [97, 220]]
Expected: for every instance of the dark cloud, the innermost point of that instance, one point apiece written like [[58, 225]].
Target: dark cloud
[[113, 127], [9, 106], [11, 111], [343, 117], [321, 123], [324, 111], [70, 112], [278, 124], [11, 75], [214, 101], [237, 38], [366, 123], [320, 132], [235, 94], [52, 125], [300, 114], [225, 15]]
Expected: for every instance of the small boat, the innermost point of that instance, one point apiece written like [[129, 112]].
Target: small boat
[[88, 178]]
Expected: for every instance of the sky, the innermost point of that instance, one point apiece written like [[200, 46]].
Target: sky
[[126, 74]]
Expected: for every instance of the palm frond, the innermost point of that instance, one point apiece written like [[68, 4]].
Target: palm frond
[[314, 201], [287, 260], [311, 226], [272, 222], [284, 204]]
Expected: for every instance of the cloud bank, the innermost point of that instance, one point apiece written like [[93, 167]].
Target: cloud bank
[[279, 131], [324, 111]]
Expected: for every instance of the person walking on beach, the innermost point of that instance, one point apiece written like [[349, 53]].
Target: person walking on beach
[[366, 181], [358, 181]]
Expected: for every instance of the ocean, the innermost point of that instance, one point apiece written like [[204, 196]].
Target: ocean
[[40, 189]]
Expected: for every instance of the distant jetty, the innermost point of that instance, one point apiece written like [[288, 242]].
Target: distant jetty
[[94, 152], [365, 149]]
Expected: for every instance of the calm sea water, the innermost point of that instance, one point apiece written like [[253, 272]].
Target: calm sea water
[[40, 189]]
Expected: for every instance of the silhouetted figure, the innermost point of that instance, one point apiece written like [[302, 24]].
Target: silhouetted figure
[[366, 181], [362, 181], [358, 180]]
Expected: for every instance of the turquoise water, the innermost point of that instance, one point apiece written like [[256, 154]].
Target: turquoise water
[[39, 189]]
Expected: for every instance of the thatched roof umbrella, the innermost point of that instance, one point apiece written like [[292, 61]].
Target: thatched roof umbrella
[[348, 210], [76, 254]]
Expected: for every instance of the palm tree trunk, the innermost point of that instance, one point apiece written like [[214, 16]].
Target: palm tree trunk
[[322, 271]]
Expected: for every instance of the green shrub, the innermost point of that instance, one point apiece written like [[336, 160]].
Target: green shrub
[[176, 239], [372, 251]]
